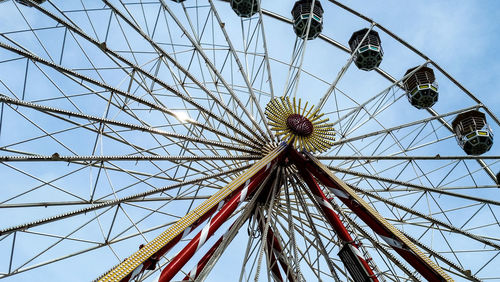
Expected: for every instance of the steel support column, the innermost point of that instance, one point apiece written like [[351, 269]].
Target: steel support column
[[138, 262], [331, 216], [392, 236], [211, 227]]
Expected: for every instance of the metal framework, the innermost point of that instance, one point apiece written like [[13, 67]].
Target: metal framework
[[135, 145]]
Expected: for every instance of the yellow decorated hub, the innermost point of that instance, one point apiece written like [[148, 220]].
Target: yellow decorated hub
[[301, 126]]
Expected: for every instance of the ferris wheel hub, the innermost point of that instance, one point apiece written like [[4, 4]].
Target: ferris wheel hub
[[301, 126]]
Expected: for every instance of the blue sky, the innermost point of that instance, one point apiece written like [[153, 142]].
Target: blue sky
[[461, 36]]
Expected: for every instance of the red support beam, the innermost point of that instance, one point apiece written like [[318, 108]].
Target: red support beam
[[393, 237], [191, 276], [332, 217], [198, 268], [275, 270], [275, 248], [219, 218], [148, 255], [150, 264]]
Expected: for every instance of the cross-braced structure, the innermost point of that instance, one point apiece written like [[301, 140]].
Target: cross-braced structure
[[177, 140]]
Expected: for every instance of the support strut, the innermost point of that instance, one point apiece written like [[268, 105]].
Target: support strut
[[363, 271], [193, 274], [210, 228], [392, 236], [142, 259], [276, 253]]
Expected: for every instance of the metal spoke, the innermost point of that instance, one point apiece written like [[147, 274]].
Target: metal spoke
[[122, 119]]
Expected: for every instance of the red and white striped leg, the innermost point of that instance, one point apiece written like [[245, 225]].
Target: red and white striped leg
[[394, 238], [141, 260], [151, 262], [219, 218], [335, 222], [196, 270]]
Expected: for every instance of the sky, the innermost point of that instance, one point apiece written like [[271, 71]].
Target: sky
[[458, 35], [461, 36]]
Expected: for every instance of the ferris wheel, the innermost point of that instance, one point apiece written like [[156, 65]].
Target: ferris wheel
[[238, 140]]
